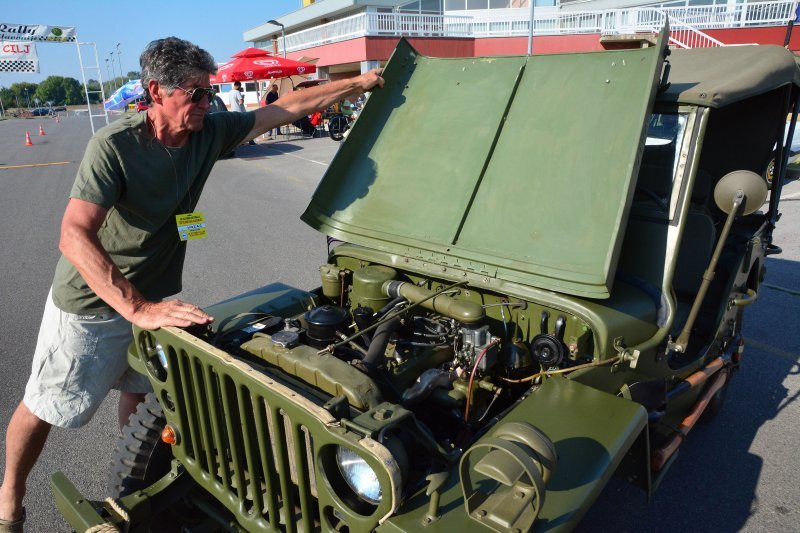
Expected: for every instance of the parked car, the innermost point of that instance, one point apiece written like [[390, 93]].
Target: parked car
[[516, 314], [217, 105], [42, 112], [142, 105]]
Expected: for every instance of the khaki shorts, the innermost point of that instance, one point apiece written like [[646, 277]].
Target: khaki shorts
[[78, 359]]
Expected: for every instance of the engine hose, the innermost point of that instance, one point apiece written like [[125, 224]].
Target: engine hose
[[388, 307], [380, 339], [462, 310]]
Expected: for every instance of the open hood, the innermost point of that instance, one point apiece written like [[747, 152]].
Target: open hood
[[520, 168]]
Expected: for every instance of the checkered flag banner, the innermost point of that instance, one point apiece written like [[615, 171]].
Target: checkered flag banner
[[19, 65], [18, 57], [37, 33]]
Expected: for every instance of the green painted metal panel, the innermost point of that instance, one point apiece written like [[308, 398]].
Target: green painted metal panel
[[560, 179], [591, 430], [524, 165], [396, 174]]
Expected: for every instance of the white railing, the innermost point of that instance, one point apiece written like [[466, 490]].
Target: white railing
[[568, 22], [380, 24], [733, 16], [651, 20], [332, 32], [418, 25], [686, 21]]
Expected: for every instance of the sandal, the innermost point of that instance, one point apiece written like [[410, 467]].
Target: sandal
[[13, 526]]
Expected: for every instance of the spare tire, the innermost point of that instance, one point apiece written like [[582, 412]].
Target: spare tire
[[141, 457]]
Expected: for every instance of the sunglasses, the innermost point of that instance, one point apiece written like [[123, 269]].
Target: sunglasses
[[197, 93]]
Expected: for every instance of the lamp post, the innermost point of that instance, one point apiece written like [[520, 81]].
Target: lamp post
[[27, 99], [530, 33], [119, 59], [108, 71], [283, 34], [113, 72]]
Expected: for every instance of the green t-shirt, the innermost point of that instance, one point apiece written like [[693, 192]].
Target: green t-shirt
[[144, 185]]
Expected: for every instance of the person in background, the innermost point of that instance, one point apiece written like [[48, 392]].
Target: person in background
[[236, 99], [271, 98], [123, 241]]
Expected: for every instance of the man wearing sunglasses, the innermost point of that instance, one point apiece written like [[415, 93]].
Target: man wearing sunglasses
[[123, 241]]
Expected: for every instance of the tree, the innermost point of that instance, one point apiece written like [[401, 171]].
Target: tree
[[93, 86], [7, 97], [23, 91], [52, 90], [60, 90], [74, 91]]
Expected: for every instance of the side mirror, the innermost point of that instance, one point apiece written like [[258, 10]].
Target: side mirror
[[740, 192], [752, 187]]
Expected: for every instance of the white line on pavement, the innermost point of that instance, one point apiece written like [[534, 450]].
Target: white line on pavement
[[297, 156]]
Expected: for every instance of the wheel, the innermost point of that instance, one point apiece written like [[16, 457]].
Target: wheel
[[336, 128], [141, 457], [769, 173]]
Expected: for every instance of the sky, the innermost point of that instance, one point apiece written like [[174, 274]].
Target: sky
[[216, 26]]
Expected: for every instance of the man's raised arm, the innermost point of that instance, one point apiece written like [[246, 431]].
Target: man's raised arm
[[294, 105]]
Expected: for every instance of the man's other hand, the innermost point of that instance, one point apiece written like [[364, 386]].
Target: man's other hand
[[152, 315]]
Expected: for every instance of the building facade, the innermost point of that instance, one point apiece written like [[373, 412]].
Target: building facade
[[346, 37]]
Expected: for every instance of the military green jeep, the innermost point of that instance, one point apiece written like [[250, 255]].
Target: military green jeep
[[544, 267]]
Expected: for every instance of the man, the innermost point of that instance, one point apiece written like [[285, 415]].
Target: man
[[236, 98], [123, 251], [271, 97]]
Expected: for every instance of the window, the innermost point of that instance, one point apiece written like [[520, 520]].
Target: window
[[455, 5], [410, 7], [659, 160], [430, 6]]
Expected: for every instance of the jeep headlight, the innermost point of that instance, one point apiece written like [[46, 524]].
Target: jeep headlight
[[358, 475], [153, 355], [162, 357]]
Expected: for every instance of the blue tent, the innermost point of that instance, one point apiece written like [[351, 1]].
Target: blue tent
[[127, 93]]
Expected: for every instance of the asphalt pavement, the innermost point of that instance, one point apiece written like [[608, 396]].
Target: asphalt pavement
[[736, 474]]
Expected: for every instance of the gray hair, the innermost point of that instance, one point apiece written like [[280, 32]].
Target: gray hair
[[172, 61]]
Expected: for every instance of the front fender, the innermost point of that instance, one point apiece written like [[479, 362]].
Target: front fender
[[592, 432]]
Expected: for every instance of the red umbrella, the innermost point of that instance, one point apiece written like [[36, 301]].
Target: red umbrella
[[257, 64], [252, 52]]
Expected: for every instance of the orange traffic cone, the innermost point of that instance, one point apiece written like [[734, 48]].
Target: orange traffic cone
[[28, 141], [58, 118], [41, 130]]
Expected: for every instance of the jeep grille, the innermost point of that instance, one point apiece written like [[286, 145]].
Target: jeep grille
[[252, 442]]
